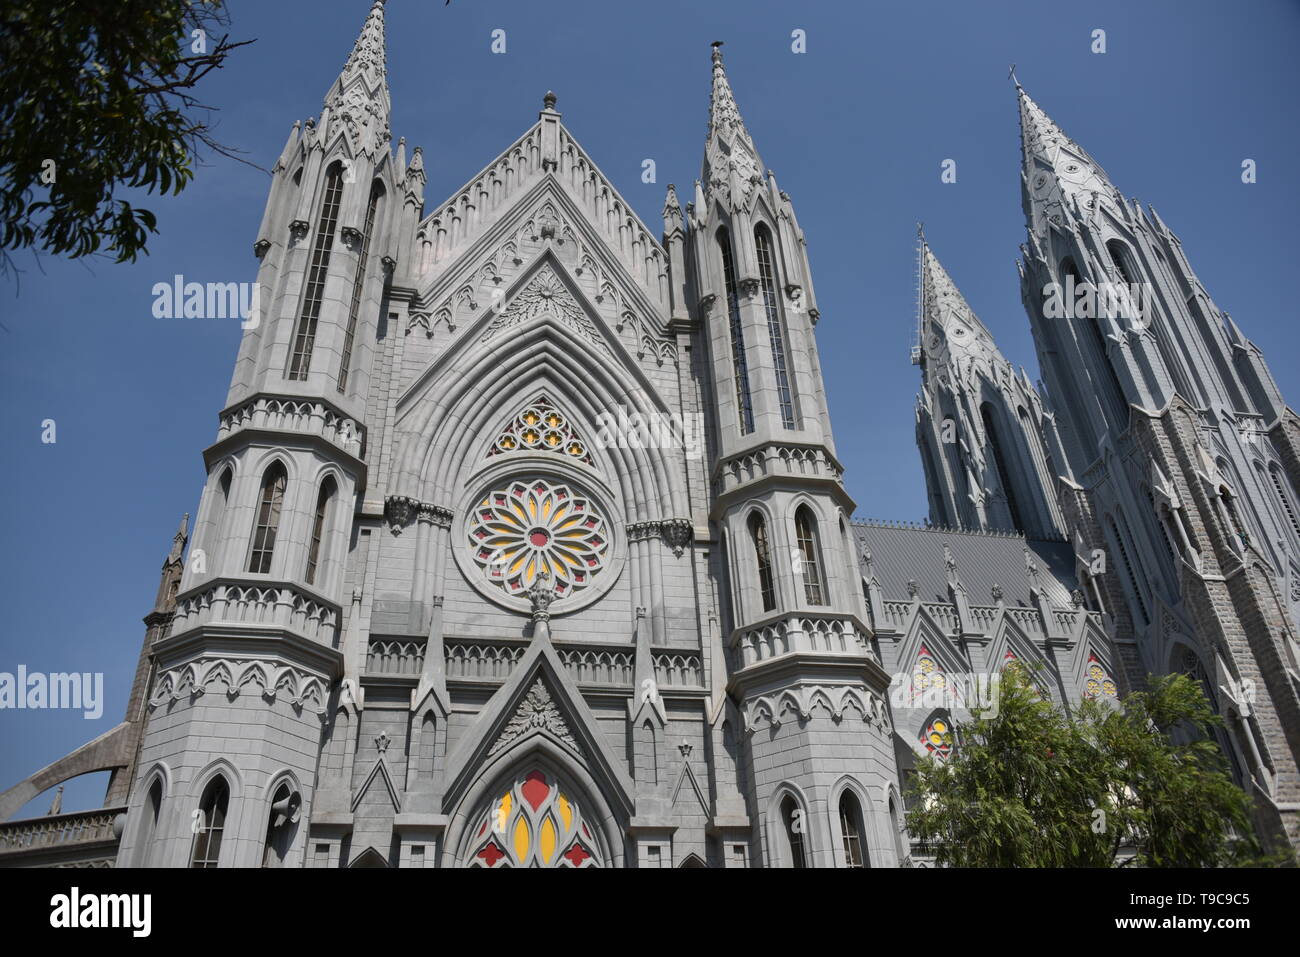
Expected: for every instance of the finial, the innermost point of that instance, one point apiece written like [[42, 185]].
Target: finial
[[1011, 74], [549, 100], [717, 51], [920, 231]]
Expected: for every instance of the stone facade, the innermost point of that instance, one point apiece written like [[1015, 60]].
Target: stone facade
[[525, 543]]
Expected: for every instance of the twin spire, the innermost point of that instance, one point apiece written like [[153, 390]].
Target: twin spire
[[1059, 180], [949, 330], [359, 96]]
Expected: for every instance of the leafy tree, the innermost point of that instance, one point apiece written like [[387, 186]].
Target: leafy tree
[[98, 95], [1142, 784]]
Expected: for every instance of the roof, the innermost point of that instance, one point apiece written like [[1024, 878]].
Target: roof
[[903, 553]]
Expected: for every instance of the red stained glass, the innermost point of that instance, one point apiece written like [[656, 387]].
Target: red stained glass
[[491, 854], [539, 538], [535, 789], [576, 854]]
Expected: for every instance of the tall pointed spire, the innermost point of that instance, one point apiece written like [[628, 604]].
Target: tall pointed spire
[[950, 331], [179, 539], [1058, 179], [359, 97], [732, 166]]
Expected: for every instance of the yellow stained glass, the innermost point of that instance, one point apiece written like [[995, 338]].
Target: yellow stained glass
[[547, 840], [521, 838], [566, 813]]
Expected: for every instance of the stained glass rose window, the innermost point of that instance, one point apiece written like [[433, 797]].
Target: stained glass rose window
[[537, 527]]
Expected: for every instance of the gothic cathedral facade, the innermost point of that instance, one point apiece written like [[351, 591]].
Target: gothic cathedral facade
[[524, 540]]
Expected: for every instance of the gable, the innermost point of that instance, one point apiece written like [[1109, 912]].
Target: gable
[[487, 206]]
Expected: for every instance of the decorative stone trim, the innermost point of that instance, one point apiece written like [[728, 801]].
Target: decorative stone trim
[[260, 605], [401, 510], [300, 688], [677, 532], [285, 414], [803, 701]]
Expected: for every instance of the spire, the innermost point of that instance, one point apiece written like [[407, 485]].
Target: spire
[[672, 211], [950, 331], [1059, 180], [359, 97], [178, 540], [732, 166]]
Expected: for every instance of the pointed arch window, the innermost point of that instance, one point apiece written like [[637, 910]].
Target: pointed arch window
[[900, 845], [937, 737], [206, 851], [763, 554], [775, 334], [153, 810], [1128, 568], [1230, 510], [805, 527], [270, 505], [1284, 499], [1070, 270], [744, 404], [794, 821], [534, 822], [304, 339], [1004, 473], [281, 827], [851, 830], [358, 282], [323, 501]]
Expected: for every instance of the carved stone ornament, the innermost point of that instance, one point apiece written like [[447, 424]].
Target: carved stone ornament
[[677, 533], [536, 712]]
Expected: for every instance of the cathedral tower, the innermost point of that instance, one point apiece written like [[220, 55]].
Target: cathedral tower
[[809, 685], [244, 676], [1182, 456], [988, 448]]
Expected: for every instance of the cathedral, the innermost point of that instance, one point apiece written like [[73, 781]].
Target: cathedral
[[614, 610]]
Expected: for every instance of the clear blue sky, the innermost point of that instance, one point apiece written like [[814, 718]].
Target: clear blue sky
[[856, 129]]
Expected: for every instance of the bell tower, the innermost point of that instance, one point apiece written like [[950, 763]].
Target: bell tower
[[808, 687]]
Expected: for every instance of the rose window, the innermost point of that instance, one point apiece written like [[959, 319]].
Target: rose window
[[926, 675], [535, 528], [534, 824], [1099, 683], [541, 428]]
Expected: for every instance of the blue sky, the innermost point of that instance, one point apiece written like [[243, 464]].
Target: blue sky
[[856, 129]]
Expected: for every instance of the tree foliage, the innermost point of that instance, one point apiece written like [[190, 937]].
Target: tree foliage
[[95, 96], [1142, 784]]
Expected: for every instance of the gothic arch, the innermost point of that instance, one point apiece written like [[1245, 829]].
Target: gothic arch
[[146, 833], [499, 772], [850, 785], [479, 387], [778, 826]]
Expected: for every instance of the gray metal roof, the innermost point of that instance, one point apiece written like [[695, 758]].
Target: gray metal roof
[[905, 552]]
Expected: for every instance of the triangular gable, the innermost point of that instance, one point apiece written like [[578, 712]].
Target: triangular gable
[[502, 205], [378, 772], [612, 353], [687, 777], [565, 719]]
